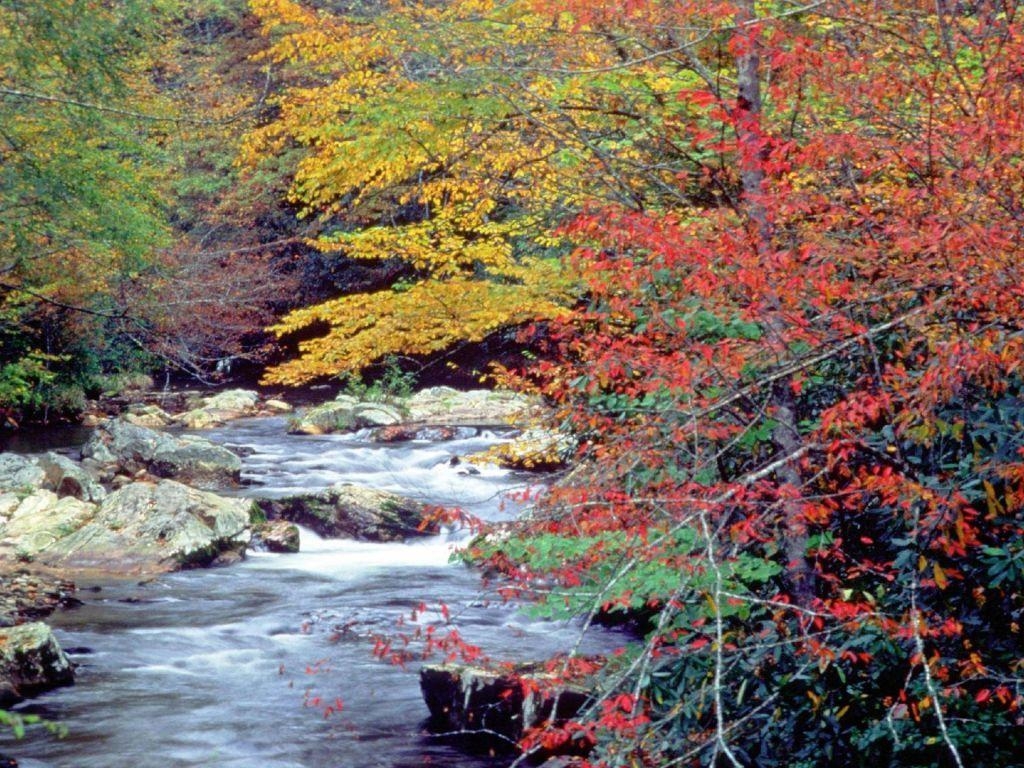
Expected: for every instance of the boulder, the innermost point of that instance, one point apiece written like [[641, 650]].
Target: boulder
[[40, 520], [31, 661], [148, 415], [479, 702], [376, 415], [217, 409], [233, 400], [141, 528], [68, 478], [441, 406], [481, 407], [275, 536], [152, 528], [51, 471], [189, 459], [334, 416], [19, 473], [353, 512], [277, 406]]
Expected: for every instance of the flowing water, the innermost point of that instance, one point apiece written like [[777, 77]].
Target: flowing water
[[238, 666]]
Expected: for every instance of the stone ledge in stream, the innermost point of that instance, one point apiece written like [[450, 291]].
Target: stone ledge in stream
[[432, 407], [143, 528], [131, 448], [31, 661], [352, 512]]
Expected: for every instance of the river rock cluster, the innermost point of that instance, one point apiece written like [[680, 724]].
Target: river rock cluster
[[143, 500]]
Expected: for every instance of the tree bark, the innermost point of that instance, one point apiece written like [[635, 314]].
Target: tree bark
[[782, 403]]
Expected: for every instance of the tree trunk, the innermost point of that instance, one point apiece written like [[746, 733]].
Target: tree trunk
[[782, 403]]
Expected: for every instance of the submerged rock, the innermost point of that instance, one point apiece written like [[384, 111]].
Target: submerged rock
[[477, 702], [31, 661], [352, 511], [188, 459]]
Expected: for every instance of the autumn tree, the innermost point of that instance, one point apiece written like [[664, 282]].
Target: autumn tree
[[79, 199], [111, 259], [448, 140], [798, 393]]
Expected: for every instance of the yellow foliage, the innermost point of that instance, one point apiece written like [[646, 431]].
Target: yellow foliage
[[427, 317], [454, 137]]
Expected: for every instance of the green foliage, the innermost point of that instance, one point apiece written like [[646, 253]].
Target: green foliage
[[18, 723], [393, 383]]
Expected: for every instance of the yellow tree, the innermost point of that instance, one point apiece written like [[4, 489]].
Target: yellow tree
[[452, 138]]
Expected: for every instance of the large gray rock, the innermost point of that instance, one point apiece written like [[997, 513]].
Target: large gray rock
[[220, 408], [336, 415], [140, 529], [481, 407], [31, 661], [51, 471], [68, 478], [150, 528], [188, 458], [376, 415], [353, 512], [40, 521], [441, 406], [479, 702], [19, 473]]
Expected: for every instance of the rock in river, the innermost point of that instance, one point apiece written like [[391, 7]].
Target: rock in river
[[482, 703], [31, 661], [215, 410], [188, 459], [275, 536], [50, 471], [352, 511], [345, 413], [141, 528]]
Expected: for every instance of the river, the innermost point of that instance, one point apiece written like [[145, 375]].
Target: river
[[223, 667]]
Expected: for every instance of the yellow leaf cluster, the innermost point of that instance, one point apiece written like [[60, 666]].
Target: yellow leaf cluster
[[453, 137], [427, 317]]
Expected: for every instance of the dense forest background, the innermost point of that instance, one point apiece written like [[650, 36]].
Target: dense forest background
[[764, 257]]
